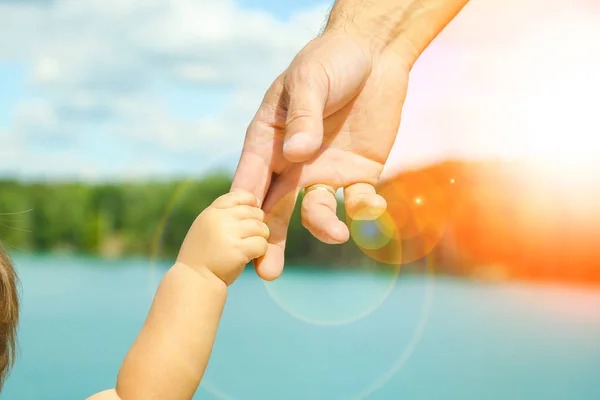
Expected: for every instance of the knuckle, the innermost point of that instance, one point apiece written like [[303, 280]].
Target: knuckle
[[264, 233], [236, 245], [241, 259], [245, 197], [307, 206], [302, 72], [298, 113], [260, 248], [256, 225], [309, 74], [222, 198], [246, 254], [265, 229], [251, 212], [228, 229]]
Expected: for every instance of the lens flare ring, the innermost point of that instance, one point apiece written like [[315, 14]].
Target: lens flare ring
[[362, 233], [405, 353], [313, 321], [413, 224], [408, 351], [381, 228]]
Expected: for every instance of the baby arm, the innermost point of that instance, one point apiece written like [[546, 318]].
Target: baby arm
[[170, 355]]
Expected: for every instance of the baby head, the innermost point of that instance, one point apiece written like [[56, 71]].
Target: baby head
[[9, 315]]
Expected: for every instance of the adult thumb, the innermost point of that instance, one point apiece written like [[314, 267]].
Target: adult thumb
[[306, 89]]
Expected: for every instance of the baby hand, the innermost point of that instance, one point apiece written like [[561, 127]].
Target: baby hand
[[226, 236]]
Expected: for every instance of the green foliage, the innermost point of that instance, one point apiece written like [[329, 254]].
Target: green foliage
[[148, 219]]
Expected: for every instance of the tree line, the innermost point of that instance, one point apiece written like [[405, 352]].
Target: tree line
[[482, 219], [129, 219]]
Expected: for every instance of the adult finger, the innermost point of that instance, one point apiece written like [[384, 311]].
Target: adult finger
[[363, 203], [319, 215], [279, 206], [254, 169], [253, 174], [305, 88]]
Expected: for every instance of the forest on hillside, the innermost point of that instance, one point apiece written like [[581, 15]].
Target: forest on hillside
[[129, 219], [481, 219]]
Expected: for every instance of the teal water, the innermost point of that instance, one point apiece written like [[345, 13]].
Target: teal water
[[330, 336]]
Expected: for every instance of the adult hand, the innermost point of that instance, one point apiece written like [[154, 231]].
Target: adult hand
[[331, 118], [339, 93]]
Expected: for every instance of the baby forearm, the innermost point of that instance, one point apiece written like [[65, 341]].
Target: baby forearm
[[170, 355]]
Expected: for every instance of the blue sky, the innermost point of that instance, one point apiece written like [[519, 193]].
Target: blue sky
[[13, 81], [138, 89], [281, 8], [77, 103]]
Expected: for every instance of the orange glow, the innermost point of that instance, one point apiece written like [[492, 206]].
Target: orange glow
[[510, 217], [417, 217]]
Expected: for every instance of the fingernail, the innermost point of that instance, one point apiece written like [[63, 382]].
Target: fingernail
[[299, 141], [375, 211]]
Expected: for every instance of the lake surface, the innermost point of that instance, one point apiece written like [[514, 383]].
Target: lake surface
[[313, 336]]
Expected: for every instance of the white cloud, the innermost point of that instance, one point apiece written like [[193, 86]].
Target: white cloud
[[36, 116], [98, 62], [46, 70]]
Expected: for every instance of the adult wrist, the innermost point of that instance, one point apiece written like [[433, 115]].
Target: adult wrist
[[372, 41], [374, 24], [405, 26]]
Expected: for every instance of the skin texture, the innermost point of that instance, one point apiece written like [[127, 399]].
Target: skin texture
[[170, 355], [332, 118]]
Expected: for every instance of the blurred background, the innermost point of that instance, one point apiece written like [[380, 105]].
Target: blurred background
[[121, 120]]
